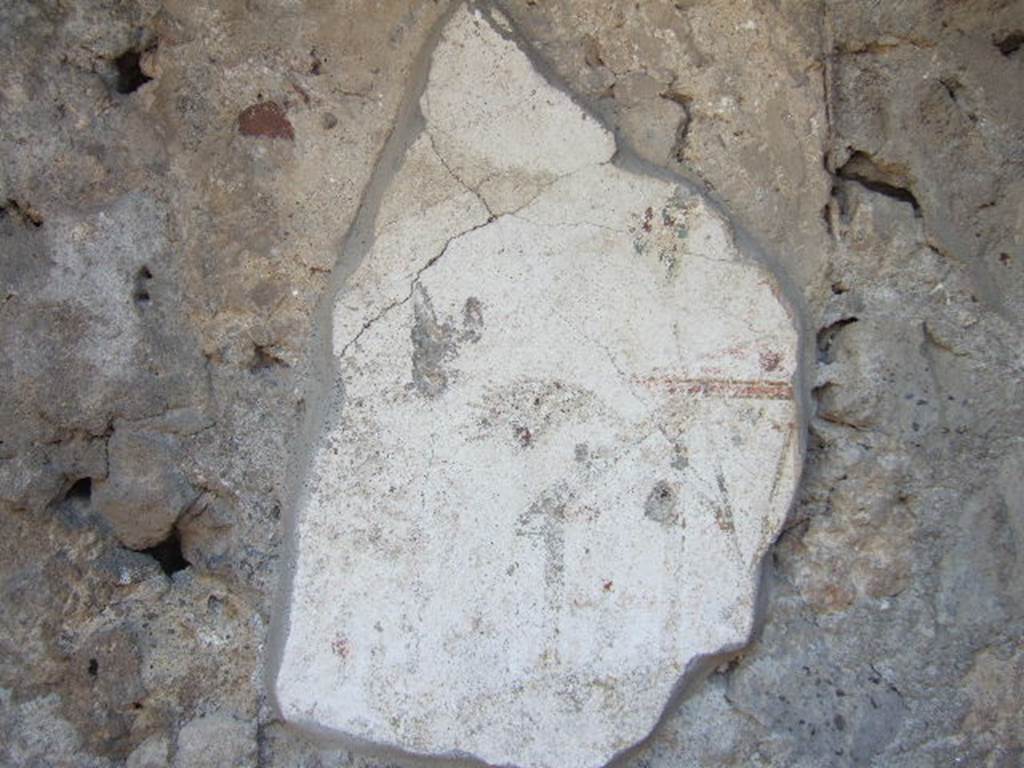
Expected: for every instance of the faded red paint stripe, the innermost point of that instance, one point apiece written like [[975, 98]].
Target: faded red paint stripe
[[723, 388]]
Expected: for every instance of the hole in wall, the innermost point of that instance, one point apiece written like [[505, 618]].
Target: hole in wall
[[130, 76], [264, 359], [1010, 43], [316, 62], [875, 177], [168, 554], [826, 337], [72, 506], [839, 288], [80, 490], [22, 212], [141, 294], [685, 103]]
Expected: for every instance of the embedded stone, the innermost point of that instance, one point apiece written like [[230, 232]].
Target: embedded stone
[[145, 492], [567, 437]]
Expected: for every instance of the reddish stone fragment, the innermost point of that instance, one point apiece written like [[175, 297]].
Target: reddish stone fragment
[[265, 119]]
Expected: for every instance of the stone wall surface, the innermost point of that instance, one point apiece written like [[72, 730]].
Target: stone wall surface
[[178, 179]]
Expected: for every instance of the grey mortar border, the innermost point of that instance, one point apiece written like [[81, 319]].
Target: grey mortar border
[[322, 392]]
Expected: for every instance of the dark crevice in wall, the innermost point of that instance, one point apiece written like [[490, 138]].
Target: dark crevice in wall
[[22, 212], [863, 170], [1010, 43]]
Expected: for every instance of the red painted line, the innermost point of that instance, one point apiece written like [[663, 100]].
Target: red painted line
[[723, 388]]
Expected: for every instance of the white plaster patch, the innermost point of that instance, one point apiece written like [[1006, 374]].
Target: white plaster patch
[[568, 437]]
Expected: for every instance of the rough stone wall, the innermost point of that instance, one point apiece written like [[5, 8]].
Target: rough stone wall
[[177, 178]]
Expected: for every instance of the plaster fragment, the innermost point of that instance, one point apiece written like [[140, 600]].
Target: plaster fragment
[[568, 437]]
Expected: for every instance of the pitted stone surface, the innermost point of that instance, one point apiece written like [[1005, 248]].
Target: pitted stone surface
[[567, 438]]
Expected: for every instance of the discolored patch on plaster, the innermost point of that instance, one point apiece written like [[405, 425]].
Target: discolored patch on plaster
[[433, 344], [472, 319], [662, 503]]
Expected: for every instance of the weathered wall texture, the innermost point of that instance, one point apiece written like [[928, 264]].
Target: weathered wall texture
[[177, 180]]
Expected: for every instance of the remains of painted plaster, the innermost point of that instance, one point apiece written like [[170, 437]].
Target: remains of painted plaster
[[567, 438]]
